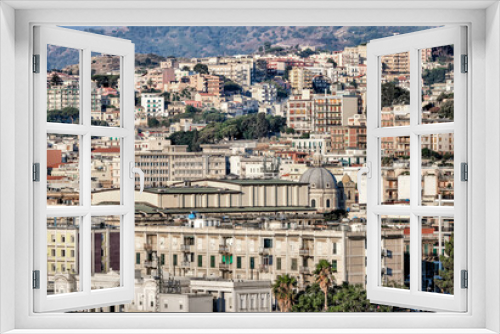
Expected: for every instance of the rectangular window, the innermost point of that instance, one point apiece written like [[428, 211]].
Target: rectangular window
[[334, 266], [252, 263], [200, 261], [212, 261], [293, 265], [162, 257], [278, 263], [334, 248], [175, 260], [137, 258]]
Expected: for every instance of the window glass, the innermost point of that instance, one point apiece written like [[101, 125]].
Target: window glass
[[395, 90], [437, 84], [395, 255], [63, 255], [105, 89], [63, 170], [63, 85], [106, 257]]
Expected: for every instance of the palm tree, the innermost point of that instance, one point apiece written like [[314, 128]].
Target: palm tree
[[284, 291], [324, 278]]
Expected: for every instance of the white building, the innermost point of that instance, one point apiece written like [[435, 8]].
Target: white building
[[153, 104]]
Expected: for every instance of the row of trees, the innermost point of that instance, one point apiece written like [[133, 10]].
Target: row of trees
[[253, 126], [322, 295]]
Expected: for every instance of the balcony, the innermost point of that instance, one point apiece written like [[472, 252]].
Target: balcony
[[304, 271], [224, 249], [264, 251], [224, 266], [264, 268], [150, 264], [185, 264], [304, 252], [186, 248]]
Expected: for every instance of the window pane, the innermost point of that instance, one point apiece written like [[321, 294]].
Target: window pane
[[63, 256], [63, 167], [395, 169], [105, 90], [105, 170], [437, 84], [105, 261], [437, 254], [395, 89], [63, 85], [437, 169], [395, 242]]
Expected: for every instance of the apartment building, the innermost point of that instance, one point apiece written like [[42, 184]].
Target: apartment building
[[241, 73], [320, 113], [152, 104], [315, 144], [300, 79], [300, 112], [264, 92], [162, 167], [332, 111]]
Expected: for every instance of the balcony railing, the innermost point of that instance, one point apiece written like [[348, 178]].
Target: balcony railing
[[304, 252], [264, 251], [263, 268], [304, 270], [224, 249], [185, 264], [224, 266], [150, 264], [186, 248]]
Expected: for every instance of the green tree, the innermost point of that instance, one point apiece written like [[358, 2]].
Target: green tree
[[311, 299], [284, 292], [186, 68], [446, 110], [445, 282], [324, 278], [195, 145], [191, 110], [352, 298], [331, 61], [392, 94], [153, 123], [262, 125], [55, 79], [201, 68], [231, 86]]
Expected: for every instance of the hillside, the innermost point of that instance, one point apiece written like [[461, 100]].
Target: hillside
[[220, 41]]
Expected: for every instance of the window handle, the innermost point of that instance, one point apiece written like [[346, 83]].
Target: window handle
[[365, 170], [134, 170]]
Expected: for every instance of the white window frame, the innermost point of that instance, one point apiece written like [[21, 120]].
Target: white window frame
[[85, 44], [414, 297], [15, 39]]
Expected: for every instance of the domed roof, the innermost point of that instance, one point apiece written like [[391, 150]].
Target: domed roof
[[319, 178]]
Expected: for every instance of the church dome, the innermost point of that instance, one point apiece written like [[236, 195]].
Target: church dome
[[319, 178]]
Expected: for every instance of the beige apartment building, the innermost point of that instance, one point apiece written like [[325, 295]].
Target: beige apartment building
[[162, 167], [237, 72], [300, 79]]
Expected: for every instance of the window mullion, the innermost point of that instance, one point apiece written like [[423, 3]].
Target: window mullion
[[415, 268]]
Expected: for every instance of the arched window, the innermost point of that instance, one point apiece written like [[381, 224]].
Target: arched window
[[327, 203], [313, 203]]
